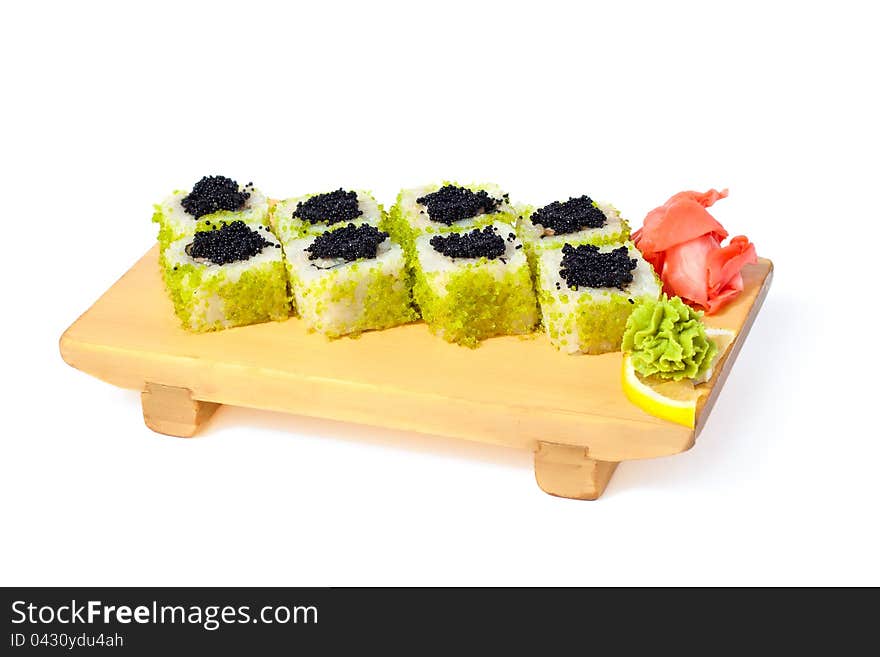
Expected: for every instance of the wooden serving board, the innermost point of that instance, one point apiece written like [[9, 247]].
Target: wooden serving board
[[514, 391]]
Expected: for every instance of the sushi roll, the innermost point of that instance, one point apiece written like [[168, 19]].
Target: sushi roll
[[475, 284], [447, 208], [213, 201], [349, 279], [230, 275], [313, 214], [587, 292], [579, 220]]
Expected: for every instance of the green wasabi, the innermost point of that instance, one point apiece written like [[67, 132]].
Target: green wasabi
[[667, 339]]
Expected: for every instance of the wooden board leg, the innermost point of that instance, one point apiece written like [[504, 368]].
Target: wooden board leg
[[172, 411], [567, 471]]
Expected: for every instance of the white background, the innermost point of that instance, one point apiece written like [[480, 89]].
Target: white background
[[106, 108]]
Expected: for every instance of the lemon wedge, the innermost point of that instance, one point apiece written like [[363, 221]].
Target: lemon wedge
[[675, 401]]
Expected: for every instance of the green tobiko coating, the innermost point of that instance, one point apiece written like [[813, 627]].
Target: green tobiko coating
[[667, 339], [258, 295], [477, 304], [369, 297]]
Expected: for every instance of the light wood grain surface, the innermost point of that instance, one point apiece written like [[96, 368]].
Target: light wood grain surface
[[511, 391]]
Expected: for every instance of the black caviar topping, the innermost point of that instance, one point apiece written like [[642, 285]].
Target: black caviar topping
[[214, 193], [330, 208], [485, 243], [569, 216], [450, 204], [229, 243], [349, 243], [586, 265]]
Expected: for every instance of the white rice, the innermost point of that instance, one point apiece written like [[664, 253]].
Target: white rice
[[432, 261], [550, 262], [417, 216], [253, 212], [614, 226], [288, 227], [176, 255]]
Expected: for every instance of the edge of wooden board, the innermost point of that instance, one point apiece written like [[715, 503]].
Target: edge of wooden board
[[705, 403]]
